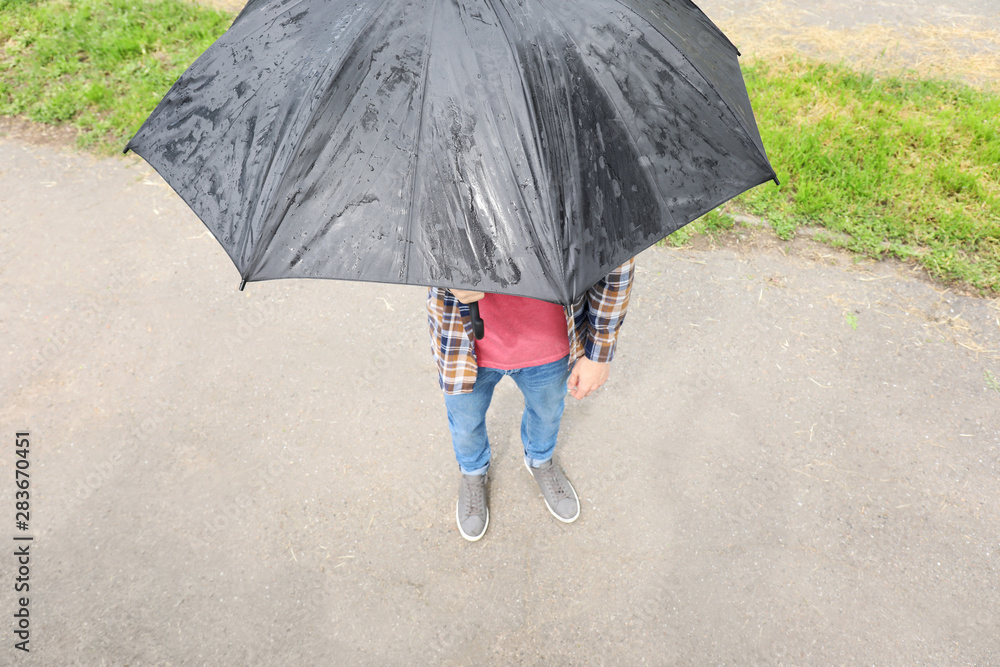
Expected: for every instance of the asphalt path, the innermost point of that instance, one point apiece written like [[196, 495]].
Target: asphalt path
[[794, 462]]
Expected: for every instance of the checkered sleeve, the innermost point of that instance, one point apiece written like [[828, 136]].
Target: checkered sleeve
[[451, 342], [607, 302]]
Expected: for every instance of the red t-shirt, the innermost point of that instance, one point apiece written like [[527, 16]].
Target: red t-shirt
[[520, 332]]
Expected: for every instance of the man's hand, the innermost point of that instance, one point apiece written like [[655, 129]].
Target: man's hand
[[467, 297], [587, 377]]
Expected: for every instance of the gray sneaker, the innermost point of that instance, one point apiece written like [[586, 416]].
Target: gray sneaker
[[560, 496], [473, 509]]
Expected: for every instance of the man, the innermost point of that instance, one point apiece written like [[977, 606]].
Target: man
[[545, 348]]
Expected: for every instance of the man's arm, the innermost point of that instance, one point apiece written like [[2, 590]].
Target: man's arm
[[608, 302], [466, 296]]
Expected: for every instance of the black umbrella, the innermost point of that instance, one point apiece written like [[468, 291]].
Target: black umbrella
[[526, 147]]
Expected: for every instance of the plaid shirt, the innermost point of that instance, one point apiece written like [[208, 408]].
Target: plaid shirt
[[592, 325]]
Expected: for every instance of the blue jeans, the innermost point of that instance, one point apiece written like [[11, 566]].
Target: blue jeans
[[544, 389]]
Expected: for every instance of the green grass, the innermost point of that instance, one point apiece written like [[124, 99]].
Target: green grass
[[900, 167], [903, 167], [99, 65], [712, 223], [991, 381]]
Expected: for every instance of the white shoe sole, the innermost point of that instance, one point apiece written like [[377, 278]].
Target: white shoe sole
[[549, 508], [459, 523]]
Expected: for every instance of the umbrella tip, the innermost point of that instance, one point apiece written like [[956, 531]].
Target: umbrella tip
[[125, 152], [243, 284]]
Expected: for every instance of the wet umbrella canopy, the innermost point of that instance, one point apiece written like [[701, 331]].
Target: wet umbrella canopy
[[526, 147]]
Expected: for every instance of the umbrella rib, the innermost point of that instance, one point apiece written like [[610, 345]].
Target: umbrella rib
[[527, 99], [266, 238], [746, 131], [607, 96], [601, 83], [271, 73], [416, 140]]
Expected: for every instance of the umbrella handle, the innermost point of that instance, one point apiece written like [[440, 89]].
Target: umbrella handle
[[478, 328]]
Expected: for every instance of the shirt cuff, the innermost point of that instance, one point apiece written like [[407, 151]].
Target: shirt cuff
[[601, 347]]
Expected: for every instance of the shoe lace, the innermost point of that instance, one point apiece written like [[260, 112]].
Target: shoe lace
[[473, 498], [553, 483]]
